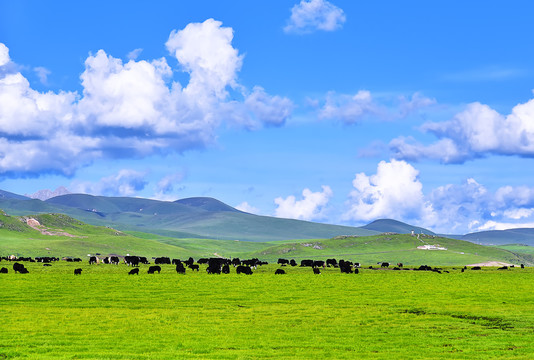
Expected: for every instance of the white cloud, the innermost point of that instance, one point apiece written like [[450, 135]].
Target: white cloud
[[351, 109], [311, 15], [42, 74], [246, 207], [393, 192], [477, 131], [124, 183], [166, 184], [494, 225], [270, 110], [517, 214], [4, 55], [396, 192], [311, 207], [134, 54], [205, 51], [133, 108], [415, 103]]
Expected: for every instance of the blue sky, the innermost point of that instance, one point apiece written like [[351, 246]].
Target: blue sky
[[340, 112]]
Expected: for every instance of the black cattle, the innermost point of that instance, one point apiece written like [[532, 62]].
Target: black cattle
[[279, 272], [283, 262], [226, 269], [143, 260], [356, 265], [476, 268], [153, 269], [203, 261], [134, 271], [104, 260], [356, 271], [306, 263], [292, 262], [503, 268], [319, 263], [213, 269], [522, 266], [131, 260], [176, 261], [251, 262], [424, 268], [400, 264], [241, 269], [93, 260], [189, 261], [77, 271], [77, 260], [194, 267], [236, 262], [3, 270], [345, 267], [180, 269], [114, 260], [331, 262], [316, 271], [19, 268], [162, 260], [384, 264]]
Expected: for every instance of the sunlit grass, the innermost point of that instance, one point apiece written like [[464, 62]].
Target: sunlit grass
[[106, 314]]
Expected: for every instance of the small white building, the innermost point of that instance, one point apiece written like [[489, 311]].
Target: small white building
[[431, 247]]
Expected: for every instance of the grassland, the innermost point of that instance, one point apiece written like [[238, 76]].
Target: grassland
[[377, 314], [62, 236]]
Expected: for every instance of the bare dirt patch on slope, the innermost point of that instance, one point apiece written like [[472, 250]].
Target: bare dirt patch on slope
[[34, 224]]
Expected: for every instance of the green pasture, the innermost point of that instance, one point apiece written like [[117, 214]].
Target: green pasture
[[377, 314]]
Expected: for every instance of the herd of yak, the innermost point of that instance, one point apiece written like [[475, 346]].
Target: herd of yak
[[214, 265]]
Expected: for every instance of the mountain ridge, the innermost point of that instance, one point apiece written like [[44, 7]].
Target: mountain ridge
[[205, 217]]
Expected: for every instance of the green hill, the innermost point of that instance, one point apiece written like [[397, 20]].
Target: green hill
[[389, 225], [193, 217], [61, 235]]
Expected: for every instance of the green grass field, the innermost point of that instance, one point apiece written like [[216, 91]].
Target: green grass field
[[377, 314]]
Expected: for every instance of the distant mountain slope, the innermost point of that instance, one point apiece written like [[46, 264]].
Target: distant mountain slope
[[9, 195], [194, 217], [500, 237], [389, 225], [206, 203]]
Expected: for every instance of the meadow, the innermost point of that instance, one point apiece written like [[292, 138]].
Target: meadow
[[376, 314]]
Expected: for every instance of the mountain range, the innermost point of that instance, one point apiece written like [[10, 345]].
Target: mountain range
[[203, 217]]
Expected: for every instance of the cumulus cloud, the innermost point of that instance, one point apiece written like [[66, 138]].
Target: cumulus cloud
[[393, 192], [311, 15], [132, 108], [4, 55], [312, 206], [396, 192], [477, 131], [270, 110], [246, 207], [124, 183], [205, 51]]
